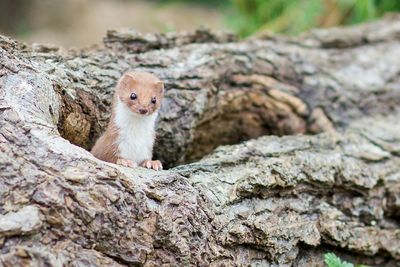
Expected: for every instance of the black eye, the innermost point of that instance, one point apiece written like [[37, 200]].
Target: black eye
[[133, 96], [153, 100]]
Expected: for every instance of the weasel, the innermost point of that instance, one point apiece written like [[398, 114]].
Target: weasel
[[129, 137]]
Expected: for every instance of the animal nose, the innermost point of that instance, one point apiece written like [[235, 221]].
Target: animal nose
[[143, 111]]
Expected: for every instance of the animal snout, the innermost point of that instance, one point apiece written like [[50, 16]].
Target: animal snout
[[143, 111]]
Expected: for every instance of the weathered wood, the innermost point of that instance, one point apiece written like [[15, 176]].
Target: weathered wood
[[268, 201]]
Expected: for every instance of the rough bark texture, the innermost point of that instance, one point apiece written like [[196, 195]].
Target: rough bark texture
[[268, 201]]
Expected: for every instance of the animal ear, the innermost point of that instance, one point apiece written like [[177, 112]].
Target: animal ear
[[160, 86], [126, 80]]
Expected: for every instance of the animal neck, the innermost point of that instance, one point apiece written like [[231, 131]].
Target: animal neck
[[124, 117]]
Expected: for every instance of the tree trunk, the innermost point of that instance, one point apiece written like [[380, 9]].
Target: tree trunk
[[329, 183]]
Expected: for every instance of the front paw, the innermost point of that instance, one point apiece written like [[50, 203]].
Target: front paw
[[152, 164], [126, 163]]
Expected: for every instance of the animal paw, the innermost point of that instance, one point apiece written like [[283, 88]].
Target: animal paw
[[152, 164], [126, 163]]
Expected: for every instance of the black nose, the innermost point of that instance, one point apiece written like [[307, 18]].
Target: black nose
[[143, 111]]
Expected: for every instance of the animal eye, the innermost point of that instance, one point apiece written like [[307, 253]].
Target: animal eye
[[153, 100], [133, 96]]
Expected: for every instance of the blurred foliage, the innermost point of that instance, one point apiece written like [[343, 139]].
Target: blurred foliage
[[245, 17], [292, 17], [200, 2], [332, 260], [248, 17], [13, 15]]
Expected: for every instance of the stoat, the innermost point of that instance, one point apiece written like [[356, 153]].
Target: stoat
[[129, 137]]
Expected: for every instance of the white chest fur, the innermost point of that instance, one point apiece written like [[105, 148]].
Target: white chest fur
[[136, 134]]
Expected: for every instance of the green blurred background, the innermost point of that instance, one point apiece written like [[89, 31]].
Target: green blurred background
[[84, 22], [293, 17]]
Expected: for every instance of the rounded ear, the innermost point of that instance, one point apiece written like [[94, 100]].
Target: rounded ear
[[126, 80], [160, 87]]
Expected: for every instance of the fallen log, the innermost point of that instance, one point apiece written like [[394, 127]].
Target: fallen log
[[308, 137]]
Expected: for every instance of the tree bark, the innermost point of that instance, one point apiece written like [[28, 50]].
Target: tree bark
[[311, 162]]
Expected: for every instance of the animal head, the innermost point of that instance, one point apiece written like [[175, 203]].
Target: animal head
[[141, 92]]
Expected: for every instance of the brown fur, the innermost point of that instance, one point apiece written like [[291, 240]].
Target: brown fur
[[145, 86], [106, 148]]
